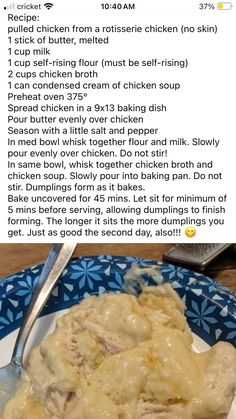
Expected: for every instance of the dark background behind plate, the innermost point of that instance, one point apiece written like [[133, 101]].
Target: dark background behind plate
[[14, 257]]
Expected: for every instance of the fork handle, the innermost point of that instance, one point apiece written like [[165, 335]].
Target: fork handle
[[56, 261]]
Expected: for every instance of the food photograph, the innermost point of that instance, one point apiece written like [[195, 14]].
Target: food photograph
[[117, 331]]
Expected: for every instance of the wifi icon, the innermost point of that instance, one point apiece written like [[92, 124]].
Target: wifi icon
[[48, 5]]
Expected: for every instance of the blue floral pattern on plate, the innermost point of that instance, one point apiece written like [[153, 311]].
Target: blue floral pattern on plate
[[210, 308]]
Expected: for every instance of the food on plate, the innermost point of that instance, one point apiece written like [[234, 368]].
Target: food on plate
[[118, 356]]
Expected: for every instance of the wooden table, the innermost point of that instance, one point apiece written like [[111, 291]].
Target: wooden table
[[14, 257]]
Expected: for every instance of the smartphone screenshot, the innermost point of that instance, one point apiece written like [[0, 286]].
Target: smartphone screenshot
[[117, 215]]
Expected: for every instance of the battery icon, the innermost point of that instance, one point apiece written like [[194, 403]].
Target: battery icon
[[224, 6]]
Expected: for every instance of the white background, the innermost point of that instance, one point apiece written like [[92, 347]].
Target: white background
[[203, 107]]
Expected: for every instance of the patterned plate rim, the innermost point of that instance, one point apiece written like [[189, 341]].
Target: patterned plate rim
[[210, 307]]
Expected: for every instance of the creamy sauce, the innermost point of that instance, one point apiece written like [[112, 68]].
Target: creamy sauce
[[117, 356]]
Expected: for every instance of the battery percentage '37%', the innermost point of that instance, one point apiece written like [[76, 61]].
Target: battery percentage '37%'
[[206, 6]]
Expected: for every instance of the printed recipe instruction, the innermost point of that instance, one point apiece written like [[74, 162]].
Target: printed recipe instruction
[[117, 124]]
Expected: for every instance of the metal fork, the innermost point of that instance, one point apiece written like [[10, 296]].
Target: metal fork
[[10, 374]]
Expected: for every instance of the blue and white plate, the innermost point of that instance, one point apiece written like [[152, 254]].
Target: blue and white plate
[[210, 308]]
